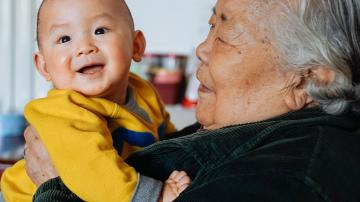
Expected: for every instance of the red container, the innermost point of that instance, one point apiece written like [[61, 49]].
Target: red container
[[168, 84]]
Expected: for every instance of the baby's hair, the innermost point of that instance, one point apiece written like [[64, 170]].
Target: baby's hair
[[44, 1]]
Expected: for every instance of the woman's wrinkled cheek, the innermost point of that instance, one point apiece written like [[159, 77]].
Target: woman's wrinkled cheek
[[205, 109]]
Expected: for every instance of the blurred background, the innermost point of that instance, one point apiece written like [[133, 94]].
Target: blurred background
[[173, 29]]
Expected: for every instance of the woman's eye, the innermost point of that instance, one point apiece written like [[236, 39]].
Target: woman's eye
[[100, 31], [64, 39], [212, 26], [221, 40]]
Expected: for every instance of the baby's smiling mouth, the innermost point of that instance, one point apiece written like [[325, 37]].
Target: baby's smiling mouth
[[91, 68]]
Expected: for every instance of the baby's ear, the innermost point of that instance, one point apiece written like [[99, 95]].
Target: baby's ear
[[139, 45], [41, 66]]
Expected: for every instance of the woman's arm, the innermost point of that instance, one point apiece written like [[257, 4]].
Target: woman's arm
[[51, 188], [221, 185], [54, 190], [38, 163]]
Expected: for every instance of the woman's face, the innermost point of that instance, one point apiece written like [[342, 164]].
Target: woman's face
[[239, 73]]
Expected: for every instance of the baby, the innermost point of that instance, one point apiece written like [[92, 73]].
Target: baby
[[98, 113]]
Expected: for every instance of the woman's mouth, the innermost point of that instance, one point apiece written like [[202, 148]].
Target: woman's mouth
[[204, 89]]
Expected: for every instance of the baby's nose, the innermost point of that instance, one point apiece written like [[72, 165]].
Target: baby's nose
[[86, 49]]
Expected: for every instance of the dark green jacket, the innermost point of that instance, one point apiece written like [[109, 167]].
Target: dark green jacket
[[301, 156]]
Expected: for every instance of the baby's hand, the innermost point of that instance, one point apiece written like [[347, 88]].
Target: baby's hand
[[174, 185]]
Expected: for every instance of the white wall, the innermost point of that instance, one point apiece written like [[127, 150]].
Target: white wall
[[6, 54], [176, 26], [18, 80], [170, 26]]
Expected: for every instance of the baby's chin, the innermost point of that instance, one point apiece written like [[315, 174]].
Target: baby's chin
[[93, 90], [88, 92], [117, 98]]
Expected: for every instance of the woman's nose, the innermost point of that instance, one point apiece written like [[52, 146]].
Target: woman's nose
[[203, 52], [86, 48]]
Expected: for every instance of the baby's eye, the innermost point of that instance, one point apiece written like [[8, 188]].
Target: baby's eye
[[101, 30], [64, 39]]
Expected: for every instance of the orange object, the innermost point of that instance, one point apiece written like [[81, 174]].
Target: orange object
[[189, 104]]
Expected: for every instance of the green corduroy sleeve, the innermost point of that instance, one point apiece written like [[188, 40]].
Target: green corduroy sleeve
[[54, 190]]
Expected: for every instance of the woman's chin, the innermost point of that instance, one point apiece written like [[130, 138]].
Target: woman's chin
[[203, 116]]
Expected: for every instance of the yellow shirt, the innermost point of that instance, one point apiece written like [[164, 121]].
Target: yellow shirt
[[80, 134]]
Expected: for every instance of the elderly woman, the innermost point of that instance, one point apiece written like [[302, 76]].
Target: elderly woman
[[278, 106]]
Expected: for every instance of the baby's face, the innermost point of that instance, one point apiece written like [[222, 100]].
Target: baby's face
[[86, 46]]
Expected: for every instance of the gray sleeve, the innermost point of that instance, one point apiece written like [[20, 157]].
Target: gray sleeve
[[147, 190]]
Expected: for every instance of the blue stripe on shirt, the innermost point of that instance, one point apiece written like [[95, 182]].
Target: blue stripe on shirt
[[140, 139]]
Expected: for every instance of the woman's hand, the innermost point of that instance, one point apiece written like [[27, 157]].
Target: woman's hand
[[37, 161]]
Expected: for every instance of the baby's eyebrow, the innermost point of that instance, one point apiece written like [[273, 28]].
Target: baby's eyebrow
[[103, 15], [57, 26]]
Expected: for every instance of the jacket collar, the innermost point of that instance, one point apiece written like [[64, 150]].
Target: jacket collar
[[216, 147]]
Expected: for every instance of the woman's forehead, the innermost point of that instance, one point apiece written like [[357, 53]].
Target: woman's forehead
[[242, 15], [254, 7]]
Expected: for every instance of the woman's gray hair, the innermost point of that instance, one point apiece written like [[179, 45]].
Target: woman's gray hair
[[314, 33]]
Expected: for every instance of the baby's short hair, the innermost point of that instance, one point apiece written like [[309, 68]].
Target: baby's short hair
[[44, 1]]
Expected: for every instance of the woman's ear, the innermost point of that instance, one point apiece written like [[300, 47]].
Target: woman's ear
[[322, 75], [295, 95], [41, 66], [297, 99], [139, 46]]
